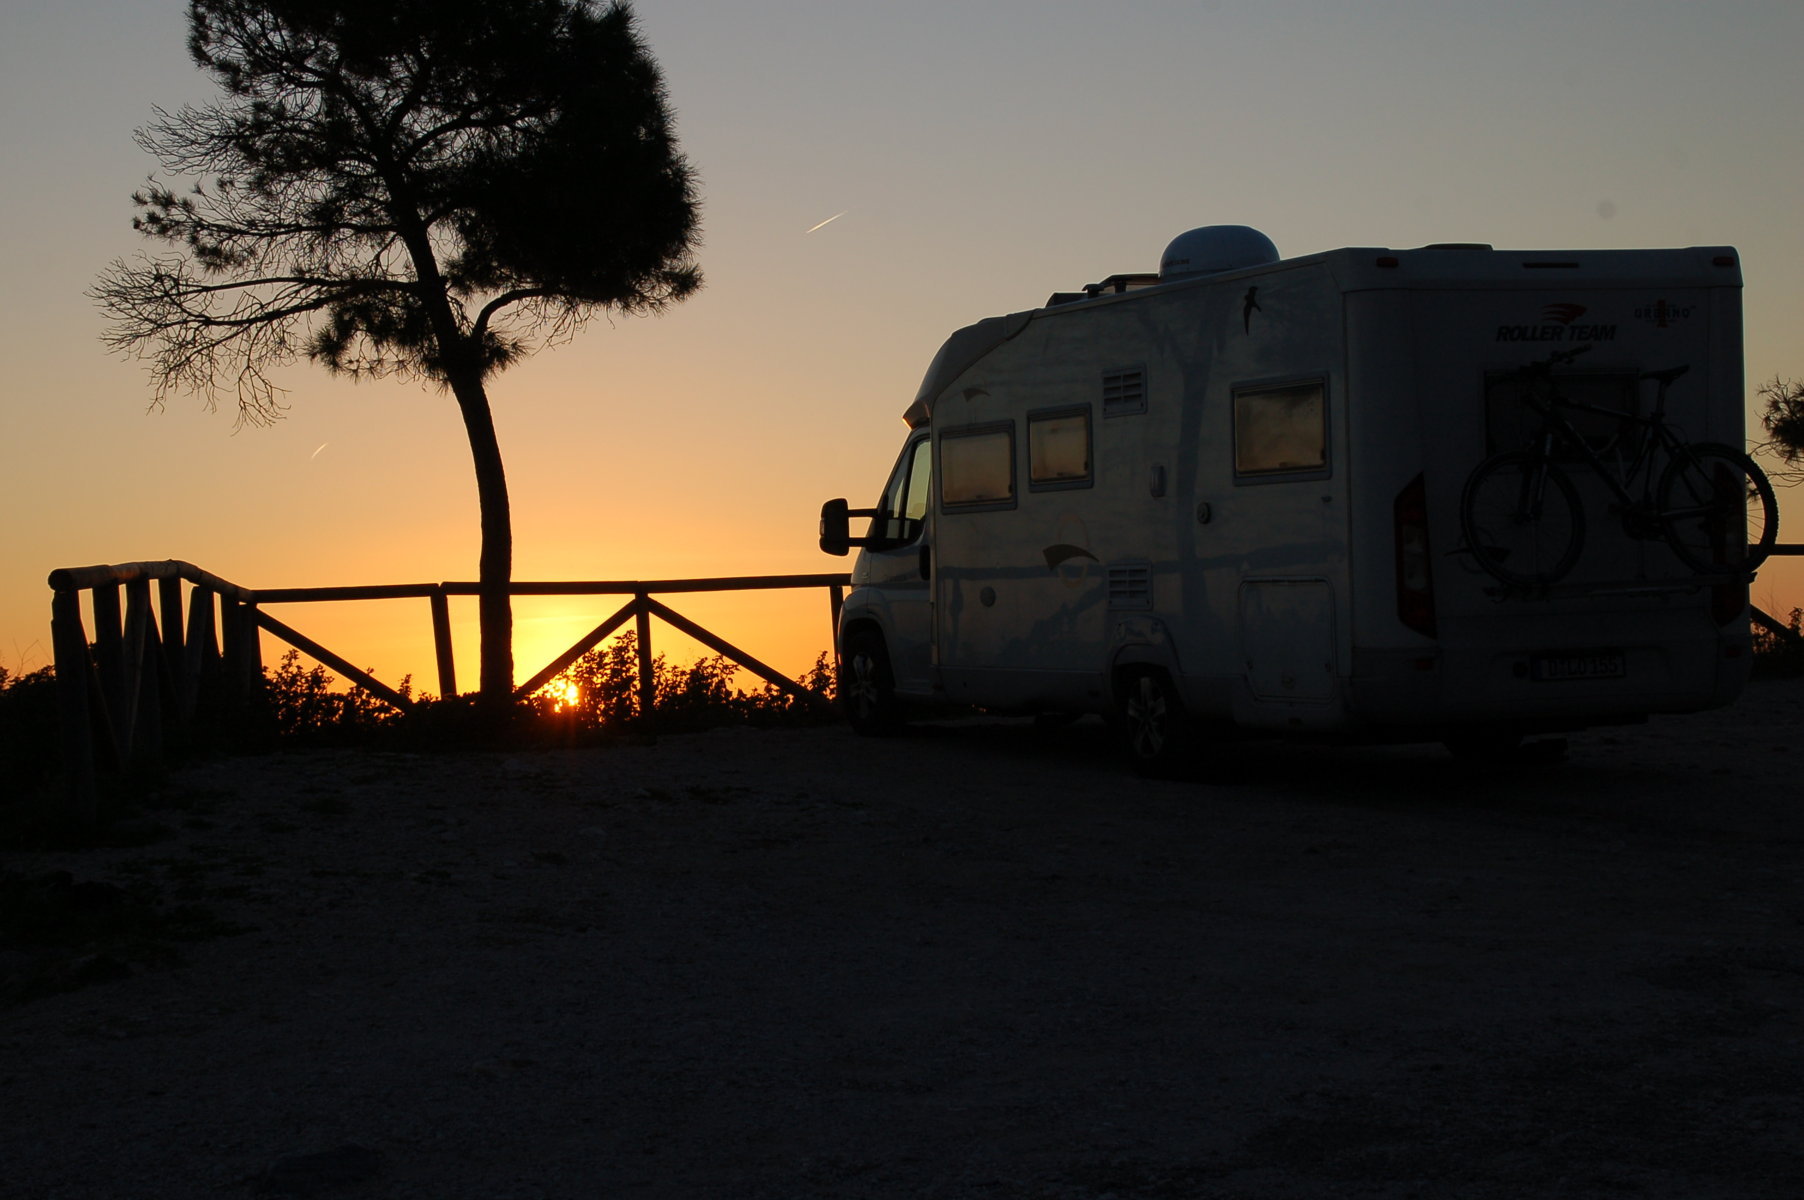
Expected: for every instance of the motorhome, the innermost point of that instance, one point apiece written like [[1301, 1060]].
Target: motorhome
[[1229, 495]]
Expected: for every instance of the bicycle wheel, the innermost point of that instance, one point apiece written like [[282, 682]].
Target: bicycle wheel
[[1522, 519], [1717, 510]]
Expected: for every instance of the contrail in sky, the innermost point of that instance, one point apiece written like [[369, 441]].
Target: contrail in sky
[[315, 454], [836, 216]]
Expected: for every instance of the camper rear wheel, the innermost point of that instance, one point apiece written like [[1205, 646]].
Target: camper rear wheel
[[1156, 730], [867, 686], [1484, 744]]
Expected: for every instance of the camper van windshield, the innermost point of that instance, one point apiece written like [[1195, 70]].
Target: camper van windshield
[[905, 499]]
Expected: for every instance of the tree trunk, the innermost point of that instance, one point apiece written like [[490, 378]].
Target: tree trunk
[[494, 604], [460, 354]]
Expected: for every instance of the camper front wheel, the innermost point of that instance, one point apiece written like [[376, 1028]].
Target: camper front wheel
[[1157, 731], [867, 688]]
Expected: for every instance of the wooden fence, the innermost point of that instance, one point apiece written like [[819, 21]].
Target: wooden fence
[[155, 655]]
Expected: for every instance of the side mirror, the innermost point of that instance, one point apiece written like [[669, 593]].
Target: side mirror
[[836, 530]]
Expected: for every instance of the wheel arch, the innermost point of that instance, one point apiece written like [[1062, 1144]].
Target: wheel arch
[[863, 621], [1137, 657]]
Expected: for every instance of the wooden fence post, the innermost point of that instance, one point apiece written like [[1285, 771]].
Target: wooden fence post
[[441, 644], [836, 600], [648, 680], [169, 629], [69, 642], [241, 646], [230, 638], [253, 646], [109, 663], [142, 726], [200, 648]]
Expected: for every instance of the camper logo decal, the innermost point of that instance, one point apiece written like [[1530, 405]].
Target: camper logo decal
[[1067, 556], [1559, 323], [1248, 307], [1661, 314], [1064, 553]]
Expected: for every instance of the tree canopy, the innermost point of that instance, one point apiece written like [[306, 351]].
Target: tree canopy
[[424, 188], [1784, 422]]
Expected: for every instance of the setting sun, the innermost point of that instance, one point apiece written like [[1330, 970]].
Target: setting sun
[[562, 693]]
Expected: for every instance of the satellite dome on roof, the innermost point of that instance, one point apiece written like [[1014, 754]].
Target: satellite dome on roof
[[1216, 248]]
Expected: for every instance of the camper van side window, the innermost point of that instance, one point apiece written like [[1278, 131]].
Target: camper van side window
[[920, 471], [1058, 449], [977, 467], [1281, 430]]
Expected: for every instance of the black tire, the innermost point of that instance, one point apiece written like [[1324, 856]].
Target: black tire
[[1520, 538], [867, 686], [1156, 731], [1484, 744], [1706, 523], [1500, 747]]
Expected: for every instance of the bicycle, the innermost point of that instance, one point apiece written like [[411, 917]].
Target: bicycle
[[1523, 521]]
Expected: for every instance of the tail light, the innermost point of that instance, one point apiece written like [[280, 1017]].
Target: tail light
[[1728, 602], [1415, 577]]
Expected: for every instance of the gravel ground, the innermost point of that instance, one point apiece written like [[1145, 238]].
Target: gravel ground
[[976, 961]]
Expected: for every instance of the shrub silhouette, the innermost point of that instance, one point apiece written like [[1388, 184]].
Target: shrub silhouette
[[1775, 655], [606, 681], [603, 696]]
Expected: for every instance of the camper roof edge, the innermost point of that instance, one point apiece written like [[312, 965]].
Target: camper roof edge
[[1364, 268]]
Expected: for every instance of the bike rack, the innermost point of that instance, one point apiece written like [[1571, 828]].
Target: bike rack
[[1616, 587]]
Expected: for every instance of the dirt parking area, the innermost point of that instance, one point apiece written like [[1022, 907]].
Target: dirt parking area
[[977, 961]]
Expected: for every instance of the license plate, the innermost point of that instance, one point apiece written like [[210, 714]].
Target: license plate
[[1586, 664]]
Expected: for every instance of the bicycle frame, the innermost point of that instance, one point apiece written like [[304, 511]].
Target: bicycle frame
[[1688, 500], [1557, 430]]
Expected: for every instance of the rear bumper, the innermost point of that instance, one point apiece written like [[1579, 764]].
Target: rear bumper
[[1461, 686]]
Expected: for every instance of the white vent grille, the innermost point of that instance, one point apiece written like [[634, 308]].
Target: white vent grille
[[1131, 587], [1124, 392]]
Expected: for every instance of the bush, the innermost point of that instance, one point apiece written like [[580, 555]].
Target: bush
[[28, 730], [601, 691], [598, 694], [305, 708], [1776, 654]]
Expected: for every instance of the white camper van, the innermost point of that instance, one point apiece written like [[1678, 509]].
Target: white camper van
[[1245, 493]]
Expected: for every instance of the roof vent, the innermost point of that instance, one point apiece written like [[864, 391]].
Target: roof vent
[[1215, 248]]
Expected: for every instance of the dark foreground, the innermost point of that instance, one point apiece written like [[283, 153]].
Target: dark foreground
[[979, 961]]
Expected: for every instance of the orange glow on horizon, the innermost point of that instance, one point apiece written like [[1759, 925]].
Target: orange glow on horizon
[[564, 694], [703, 441]]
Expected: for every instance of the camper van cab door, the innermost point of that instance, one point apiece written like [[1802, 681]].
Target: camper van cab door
[[900, 566]]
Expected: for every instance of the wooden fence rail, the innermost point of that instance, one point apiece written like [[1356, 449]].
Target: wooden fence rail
[[151, 660], [152, 657]]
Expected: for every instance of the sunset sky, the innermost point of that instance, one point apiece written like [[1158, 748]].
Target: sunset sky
[[982, 155]]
